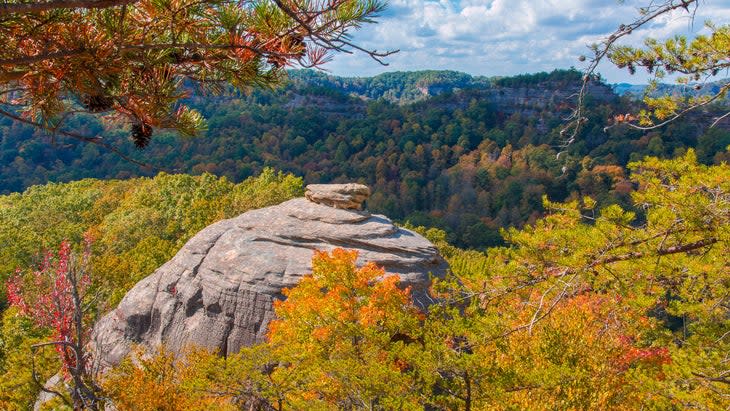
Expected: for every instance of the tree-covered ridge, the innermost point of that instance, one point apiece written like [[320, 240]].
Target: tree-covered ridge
[[396, 87], [468, 161], [686, 90]]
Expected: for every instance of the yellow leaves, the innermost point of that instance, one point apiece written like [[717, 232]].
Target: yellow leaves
[[605, 310], [573, 359], [589, 203], [335, 329], [159, 381], [137, 225], [696, 61], [662, 108]]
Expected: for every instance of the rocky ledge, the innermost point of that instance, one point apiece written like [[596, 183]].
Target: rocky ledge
[[346, 196], [218, 291]]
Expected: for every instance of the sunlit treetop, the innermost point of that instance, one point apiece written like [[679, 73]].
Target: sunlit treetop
[[694, 62], [127, 61]]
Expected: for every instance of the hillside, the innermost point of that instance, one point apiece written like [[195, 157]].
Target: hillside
[[395, 87], [466, 154], [694, 89]]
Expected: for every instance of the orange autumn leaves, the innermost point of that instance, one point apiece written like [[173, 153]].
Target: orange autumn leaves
[[342, 332], [338, 294], [348, 337]]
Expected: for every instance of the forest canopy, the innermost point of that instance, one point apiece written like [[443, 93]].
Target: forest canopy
[[587, 308], [465, 154], [588, 260]]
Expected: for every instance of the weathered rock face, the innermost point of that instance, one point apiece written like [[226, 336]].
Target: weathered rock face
[[345, 196], [218, 290]]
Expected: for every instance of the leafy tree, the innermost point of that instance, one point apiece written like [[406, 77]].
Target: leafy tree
[[345, 338], [652, 291], [160, 381], [55, 297], [22, 367], [585, 309], [345, 335], [697, 61], [137, 225]]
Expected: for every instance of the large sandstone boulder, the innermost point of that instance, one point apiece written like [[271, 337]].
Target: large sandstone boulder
[[347, 196], [218, 290]]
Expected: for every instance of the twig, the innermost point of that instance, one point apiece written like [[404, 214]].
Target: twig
[[93, 140], [576, 119]]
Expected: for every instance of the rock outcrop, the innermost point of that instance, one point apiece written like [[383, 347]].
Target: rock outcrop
[[218, 290], [345, 196]]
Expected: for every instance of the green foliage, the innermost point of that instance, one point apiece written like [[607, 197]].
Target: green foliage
[[695, 63], [396, 87], [17, 389], [468, 161], [590, 307], [657, 286], [137, 225], [558, 77]]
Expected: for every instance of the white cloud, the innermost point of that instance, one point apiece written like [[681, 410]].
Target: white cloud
[[505, 37]]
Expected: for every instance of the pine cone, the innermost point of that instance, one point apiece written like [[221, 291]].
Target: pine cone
[[141, 135], [97, 103]]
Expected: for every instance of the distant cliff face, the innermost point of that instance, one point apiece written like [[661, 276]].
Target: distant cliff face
[[409, 87], [527, 95], [218, 291], [531, 99]]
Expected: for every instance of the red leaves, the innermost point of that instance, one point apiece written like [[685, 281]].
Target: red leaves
[[649, 355], [45, 295], [637, 356]]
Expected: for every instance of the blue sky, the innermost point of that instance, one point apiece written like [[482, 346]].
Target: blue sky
[[507, 37]]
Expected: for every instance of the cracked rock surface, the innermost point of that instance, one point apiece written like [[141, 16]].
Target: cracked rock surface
[[218, 291]]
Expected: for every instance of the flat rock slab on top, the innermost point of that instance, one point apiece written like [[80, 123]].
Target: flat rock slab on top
[[345, 196], [218, 291]]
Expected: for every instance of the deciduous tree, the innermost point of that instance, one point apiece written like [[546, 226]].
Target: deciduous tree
[[52, 296], [345, 335]]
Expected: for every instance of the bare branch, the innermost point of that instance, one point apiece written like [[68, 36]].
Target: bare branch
[[722, 380], [93, 140]]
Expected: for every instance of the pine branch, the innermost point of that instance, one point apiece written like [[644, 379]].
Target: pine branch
[[36, 7]]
